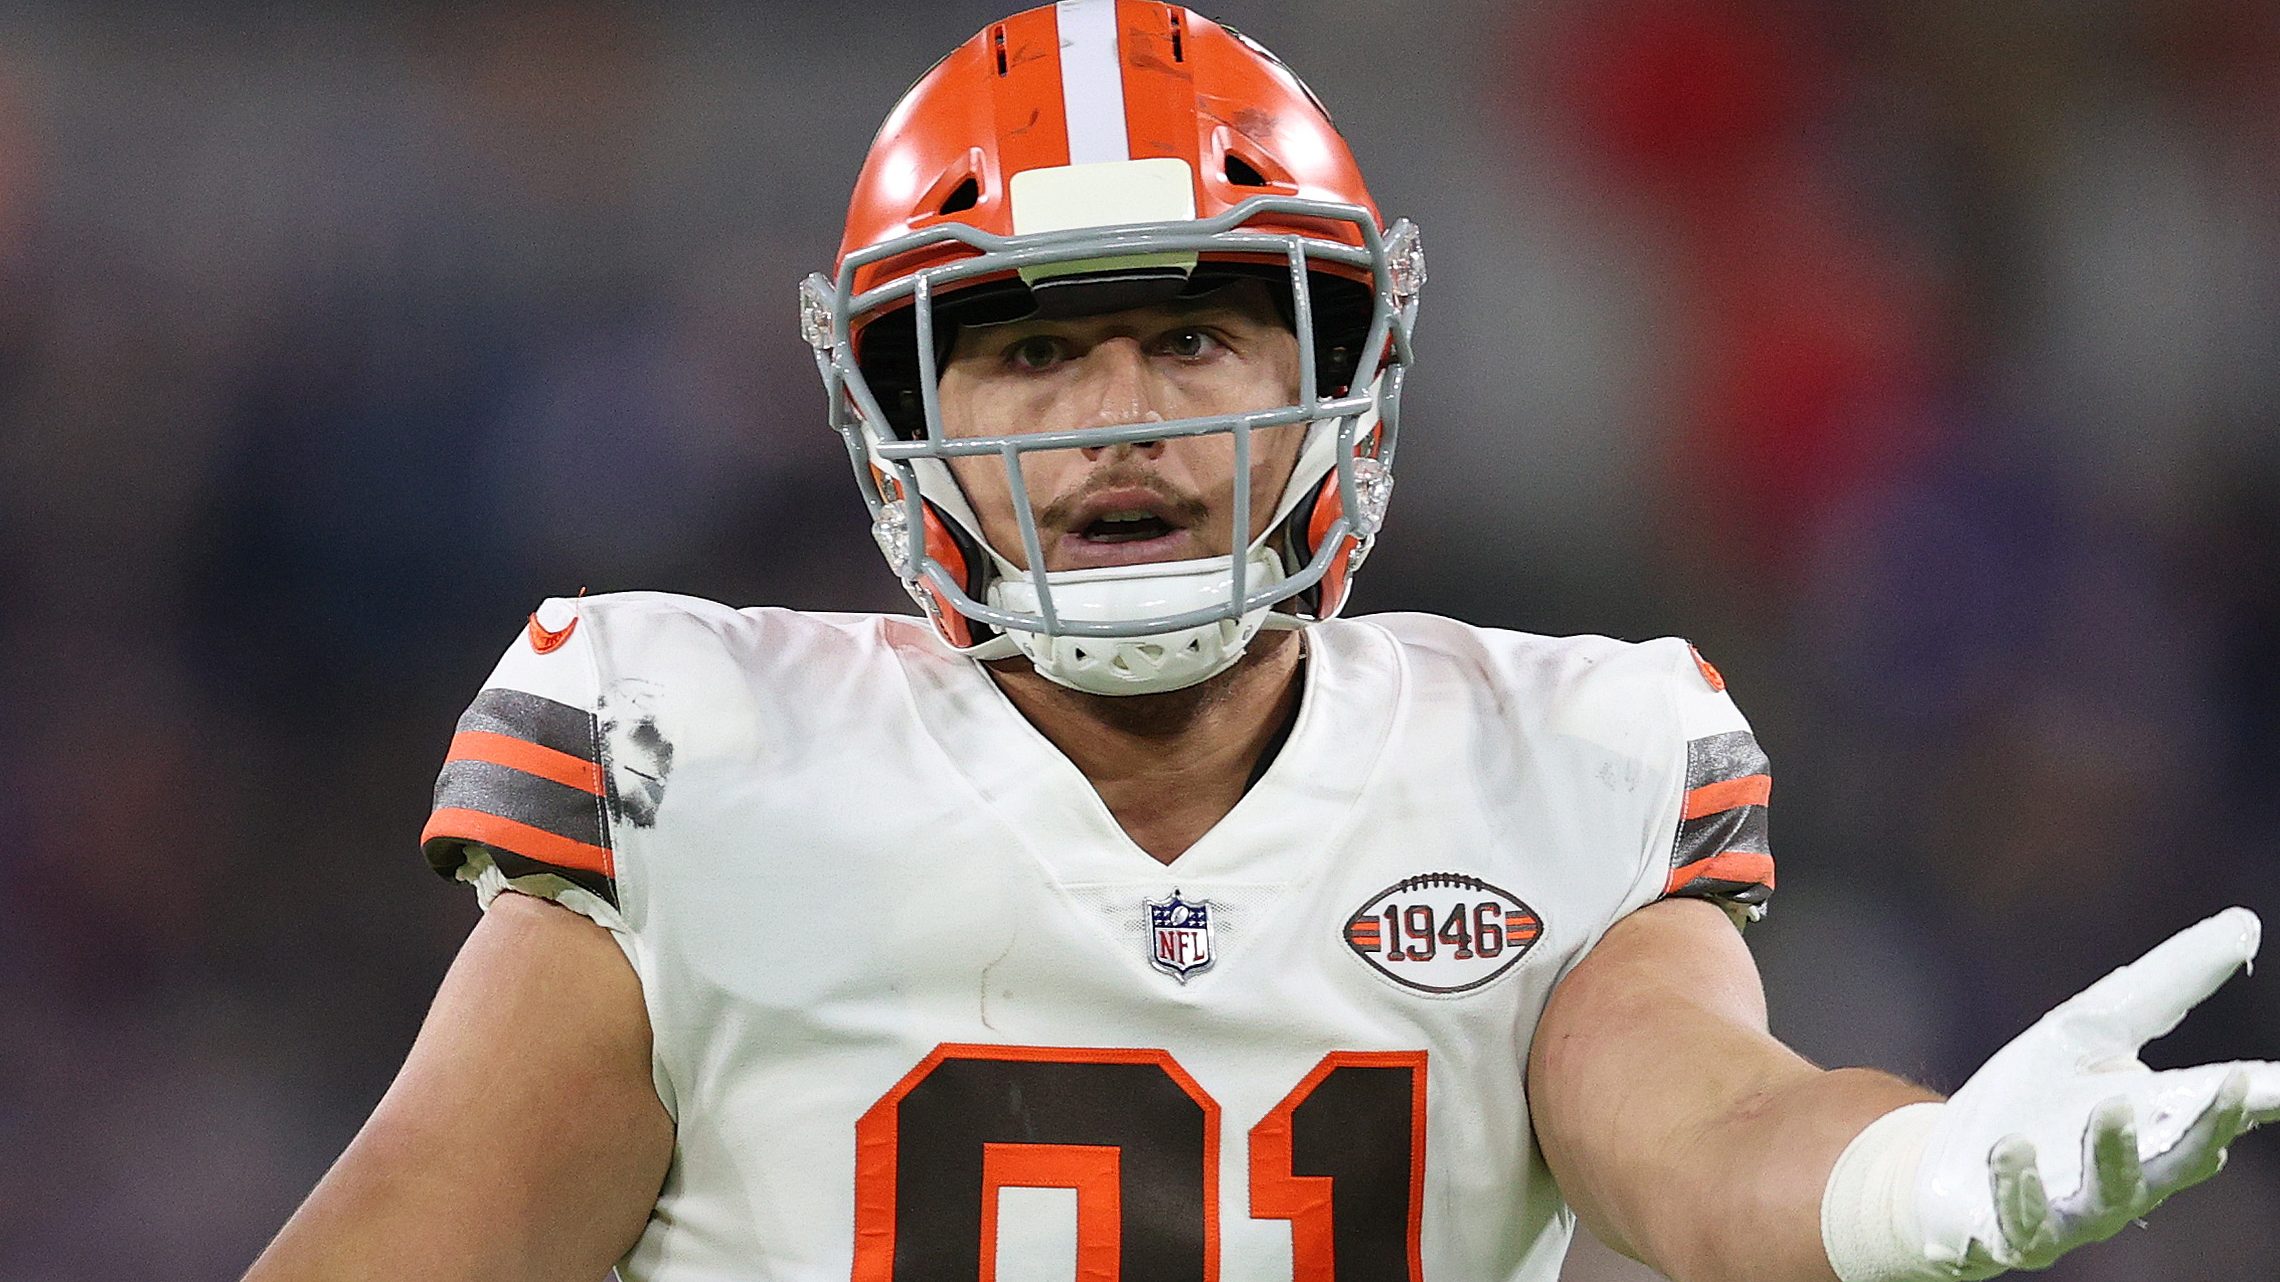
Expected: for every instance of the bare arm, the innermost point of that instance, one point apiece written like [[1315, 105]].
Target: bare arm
[[1680, 1130], [523, 1137]]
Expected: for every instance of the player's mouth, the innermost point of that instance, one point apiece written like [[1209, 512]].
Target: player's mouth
[[1126, 526], [1130, 526]]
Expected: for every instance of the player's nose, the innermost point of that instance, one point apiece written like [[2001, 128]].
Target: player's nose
[[1119, 389]]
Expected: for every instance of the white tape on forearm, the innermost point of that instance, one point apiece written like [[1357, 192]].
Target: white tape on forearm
[[1869, 1224]]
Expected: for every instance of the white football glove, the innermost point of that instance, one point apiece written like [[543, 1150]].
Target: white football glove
[[2066, 1106]]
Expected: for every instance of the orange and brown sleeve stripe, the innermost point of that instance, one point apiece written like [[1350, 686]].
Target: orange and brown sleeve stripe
[[530, 758], [523, 779], [1710, 798], [1721, 849]]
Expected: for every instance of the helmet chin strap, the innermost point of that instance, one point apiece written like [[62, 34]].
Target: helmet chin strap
[[1146, 664]]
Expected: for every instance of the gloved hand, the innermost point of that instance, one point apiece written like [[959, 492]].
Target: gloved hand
[[2067, 1106]]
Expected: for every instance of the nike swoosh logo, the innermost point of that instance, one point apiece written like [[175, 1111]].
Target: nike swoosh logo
[[545, 640]]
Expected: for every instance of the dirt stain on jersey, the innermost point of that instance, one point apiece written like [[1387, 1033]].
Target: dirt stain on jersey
[[982, 987], [641, 760]]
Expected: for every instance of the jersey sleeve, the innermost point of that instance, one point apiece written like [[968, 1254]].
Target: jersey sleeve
[[522, 799], [1719, 850]]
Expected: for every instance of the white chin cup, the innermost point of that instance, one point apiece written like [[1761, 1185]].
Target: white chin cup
[[1150, 663]]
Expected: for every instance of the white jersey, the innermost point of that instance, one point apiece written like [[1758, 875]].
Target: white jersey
[[922, 1011]]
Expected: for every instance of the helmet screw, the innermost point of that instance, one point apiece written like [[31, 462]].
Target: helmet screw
[[891, 530], [1405, 264], [1373, 487], [816, 313]]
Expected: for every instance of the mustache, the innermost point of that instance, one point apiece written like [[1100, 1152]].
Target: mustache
[[1184, 509]]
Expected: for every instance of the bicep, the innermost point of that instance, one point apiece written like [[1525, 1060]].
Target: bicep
[[1646, 1049], [523, 1137]]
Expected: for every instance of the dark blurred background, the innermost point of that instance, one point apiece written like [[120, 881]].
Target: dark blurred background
[[1918, 358]]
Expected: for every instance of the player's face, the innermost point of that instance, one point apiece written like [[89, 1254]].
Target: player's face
[[1225, 352]]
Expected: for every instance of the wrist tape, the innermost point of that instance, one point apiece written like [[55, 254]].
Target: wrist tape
[[1869, 1224]]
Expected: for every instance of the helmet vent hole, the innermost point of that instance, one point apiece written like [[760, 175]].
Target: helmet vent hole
[[997, 41], [964, 196], [1179, 32], [1242, 173]]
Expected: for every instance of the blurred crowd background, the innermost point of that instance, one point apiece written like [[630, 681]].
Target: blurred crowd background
[[1920, 359]]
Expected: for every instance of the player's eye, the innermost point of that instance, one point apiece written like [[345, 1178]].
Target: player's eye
[[1038, 351], [1189, 344]]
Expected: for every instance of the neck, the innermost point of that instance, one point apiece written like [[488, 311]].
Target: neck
[[1171, 765]]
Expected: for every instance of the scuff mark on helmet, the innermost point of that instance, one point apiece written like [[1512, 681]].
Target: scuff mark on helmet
[[1248, 119], [1256, 123]]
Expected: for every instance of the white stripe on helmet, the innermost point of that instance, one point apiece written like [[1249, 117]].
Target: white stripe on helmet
[[1092, 81]]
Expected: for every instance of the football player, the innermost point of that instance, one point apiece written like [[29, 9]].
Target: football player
[[1130, 914]]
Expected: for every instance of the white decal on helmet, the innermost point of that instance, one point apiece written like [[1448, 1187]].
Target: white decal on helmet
[[1092, 81]]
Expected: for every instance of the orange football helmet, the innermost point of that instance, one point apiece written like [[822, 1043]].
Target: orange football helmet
[[1088, 156]]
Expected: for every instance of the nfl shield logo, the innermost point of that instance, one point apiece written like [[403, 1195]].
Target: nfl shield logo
[[1179, 935]]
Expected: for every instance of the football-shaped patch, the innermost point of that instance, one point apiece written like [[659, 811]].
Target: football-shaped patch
[[1443, 932]]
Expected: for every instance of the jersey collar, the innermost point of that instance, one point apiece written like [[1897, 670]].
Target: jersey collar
[[1352, 690]]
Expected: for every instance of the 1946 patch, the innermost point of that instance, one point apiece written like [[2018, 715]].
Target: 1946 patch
[[1443, 932]]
